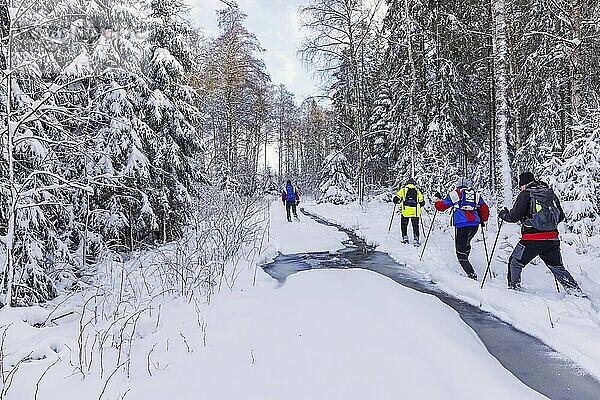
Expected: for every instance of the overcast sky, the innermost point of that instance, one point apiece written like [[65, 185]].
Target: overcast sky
[[276, 25]]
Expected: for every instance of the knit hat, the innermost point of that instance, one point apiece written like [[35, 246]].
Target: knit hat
[[463, 182], [526, 178], [411, 181]]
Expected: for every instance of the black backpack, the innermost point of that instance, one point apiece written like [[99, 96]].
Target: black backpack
[[544, 210], [411, 198]]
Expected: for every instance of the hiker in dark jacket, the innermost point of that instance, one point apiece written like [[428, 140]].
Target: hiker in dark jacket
[[411, 201], [290, 198], [539, 235]]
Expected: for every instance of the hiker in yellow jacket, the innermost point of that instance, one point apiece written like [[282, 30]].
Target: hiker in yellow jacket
[[411, 200]]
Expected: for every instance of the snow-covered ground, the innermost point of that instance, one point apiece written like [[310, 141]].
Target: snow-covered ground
[[324, 334], [569, 324]]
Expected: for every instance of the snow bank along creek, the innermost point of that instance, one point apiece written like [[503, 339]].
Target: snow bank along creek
[[529, 359]]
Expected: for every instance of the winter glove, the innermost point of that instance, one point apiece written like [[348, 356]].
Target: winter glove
[[438, 195], [297, 202], [482, 223], [396, 199], [503, 214]]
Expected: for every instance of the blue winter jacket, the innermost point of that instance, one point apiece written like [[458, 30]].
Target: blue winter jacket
[[466, 213]]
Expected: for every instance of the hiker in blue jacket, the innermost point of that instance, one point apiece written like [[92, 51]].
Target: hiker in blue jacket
[[469, 210], [290, 198]]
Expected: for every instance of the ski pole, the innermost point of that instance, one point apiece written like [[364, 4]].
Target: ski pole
[[487, 270], [428, 233], [487, 255], [392, 219]]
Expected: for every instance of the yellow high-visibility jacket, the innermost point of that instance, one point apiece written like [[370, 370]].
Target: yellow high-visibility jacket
[[409, 211]]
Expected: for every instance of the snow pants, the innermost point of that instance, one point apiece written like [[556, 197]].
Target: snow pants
[[404, 226], [548, 251], [462, 242], [290, 205]]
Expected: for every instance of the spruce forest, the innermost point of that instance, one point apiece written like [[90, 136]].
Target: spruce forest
[[123, 124]]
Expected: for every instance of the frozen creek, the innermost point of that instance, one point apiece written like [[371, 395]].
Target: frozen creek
[[529, 359]]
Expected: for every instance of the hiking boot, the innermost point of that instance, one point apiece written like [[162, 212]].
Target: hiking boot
[[576, 291], [473, 276], [404, 240], [416, 242], [514, 286]]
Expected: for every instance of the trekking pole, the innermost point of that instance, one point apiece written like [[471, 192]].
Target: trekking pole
[[428, 233], [489, 261], [392, 220], [487, 256]]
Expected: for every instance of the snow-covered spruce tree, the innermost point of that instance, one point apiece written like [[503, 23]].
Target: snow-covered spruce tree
[[380, 130], [403, 64], [74, 85], [543, 130], [269, 182], [438, 113], [578, 181], [173, 143], [336, 184], [119, 214], [43, 130]]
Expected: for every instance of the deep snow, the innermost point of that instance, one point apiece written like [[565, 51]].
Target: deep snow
[[568, 324], [324, 334]]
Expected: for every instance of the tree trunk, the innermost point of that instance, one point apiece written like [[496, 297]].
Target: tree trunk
[[501, 100], [9, 263], [514, 89], [357, 108], [492, 105], [280, 127], [266, 145], [576, 68], [413, 78]]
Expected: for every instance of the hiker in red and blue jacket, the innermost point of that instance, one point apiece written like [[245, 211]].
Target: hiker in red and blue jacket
[[290, 197], [469, 210]]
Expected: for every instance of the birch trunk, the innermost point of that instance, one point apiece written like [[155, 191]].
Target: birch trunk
[[492, 104], [576, 68], [280, 128], [513, 86], [266, 146], [500, 48]]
